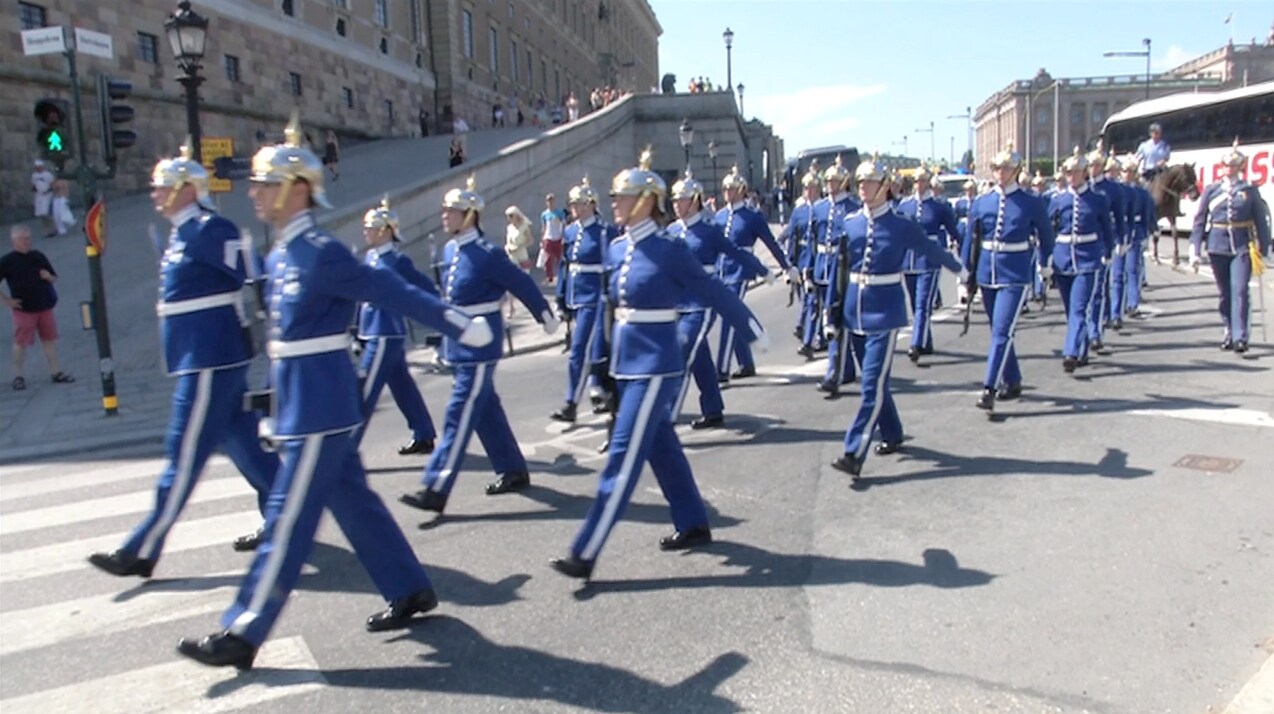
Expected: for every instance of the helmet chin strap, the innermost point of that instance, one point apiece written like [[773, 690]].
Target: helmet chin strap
[[284, 189], [470, 217], [172, 195], [641, 199]]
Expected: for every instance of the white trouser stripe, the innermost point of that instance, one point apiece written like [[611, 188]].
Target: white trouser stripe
[[999, 376], [374, 371], [727, 355], [184, 465], [934, 282], [629, 469], [466, 416], [587, 364], [881, 380], [687, 376], [281, 537]]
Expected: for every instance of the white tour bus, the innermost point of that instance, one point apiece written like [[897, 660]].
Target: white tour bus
[[1201, 128]]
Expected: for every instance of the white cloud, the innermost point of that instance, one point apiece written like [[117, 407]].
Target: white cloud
[[1173, 56], [817, 116]]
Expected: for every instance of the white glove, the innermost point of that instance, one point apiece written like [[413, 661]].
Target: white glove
[[1046, 272], [477, 333], [762, 341], [770, 278], [962, 277], [1194, 257], [809, 286], [1105, 260], [265, 434], [1121, 250], [549, 322], [793, 275]]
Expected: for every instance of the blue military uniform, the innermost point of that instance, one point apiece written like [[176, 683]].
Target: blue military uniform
[[801, 248], [1143, 220], [873, 308], [694, 316], [1085, 241], [1231, 216], [829, 223], [1011, 224], [937, 219], [202, 273], [477, 275], [314, 285], [1115, 196], [744, 227], [384, 358], [580, 291]]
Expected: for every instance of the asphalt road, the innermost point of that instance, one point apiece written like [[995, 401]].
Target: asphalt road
[[1056, 559]]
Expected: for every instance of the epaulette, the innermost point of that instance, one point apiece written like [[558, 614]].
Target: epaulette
[[313, 237]]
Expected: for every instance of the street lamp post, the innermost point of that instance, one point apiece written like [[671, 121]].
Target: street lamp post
[[712, 154], [728, 36], [187, 35], [740, 88], [968, 117], [686, 134], [1139, 53], [932, 147]]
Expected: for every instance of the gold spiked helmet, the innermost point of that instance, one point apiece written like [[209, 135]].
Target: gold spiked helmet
[[1235, 157], [734, 180], [1075, 162], [177, 172], [687, 187], [639, 180], [871, 170], [1007, 157], [382, 217], [837, 175], [288, 163], [583, 193], [465, 199]]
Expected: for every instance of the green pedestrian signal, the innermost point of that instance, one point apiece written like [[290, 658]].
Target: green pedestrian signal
[[53, 141]]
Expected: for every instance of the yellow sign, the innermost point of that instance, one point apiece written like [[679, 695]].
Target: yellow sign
[[213, 148]]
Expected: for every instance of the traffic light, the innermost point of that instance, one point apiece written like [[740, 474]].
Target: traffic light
[[53, 137], [114, 116]]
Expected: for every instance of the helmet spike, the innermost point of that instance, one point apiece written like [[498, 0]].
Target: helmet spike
[[647, 155], [292, 133]]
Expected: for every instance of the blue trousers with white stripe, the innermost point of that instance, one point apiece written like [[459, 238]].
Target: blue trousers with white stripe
[[692, 334], [474, 407], [320, 472], [729, 347], [1003, 305], [1118, 293], [923, 289], [842, 365], [1077, 299], [384, 364], [812, 313], [1134, 269], [586, 340], [207, 414], [877, 408], [1096, 316], [643, 432]]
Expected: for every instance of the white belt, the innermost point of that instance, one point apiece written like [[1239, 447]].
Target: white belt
[[882, 279], [934, 236], [207, 302], [278, 349], [638, 316], [1002, 247], [710, 269], [481, 308], [586, 268], [825, 248], [1082, 238]]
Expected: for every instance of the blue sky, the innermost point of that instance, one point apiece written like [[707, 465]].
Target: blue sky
[[865, 74]]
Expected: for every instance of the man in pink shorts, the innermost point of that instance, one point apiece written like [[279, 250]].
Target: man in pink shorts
[[31, 298]]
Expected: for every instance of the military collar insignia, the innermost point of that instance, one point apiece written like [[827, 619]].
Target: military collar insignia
[[188, 213], [693, 219], [467, 235], [642, 230], [299, 224]]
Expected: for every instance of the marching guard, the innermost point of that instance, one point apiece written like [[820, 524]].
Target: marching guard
[[1114, 195], [1143, 220], [1117, 286], [802, 230], [1085, 242], [205, 347], [744, 226], [1233, 223], [1002, 224], [384, 332], [314, 285], [829, 222], [937, 219], [648, 272], [694, 317], [477, 275], [580, 292], [872, 307]]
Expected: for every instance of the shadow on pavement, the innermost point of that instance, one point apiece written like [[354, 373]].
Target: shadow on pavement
[[761, 568], [464, 661], [1114, 464]]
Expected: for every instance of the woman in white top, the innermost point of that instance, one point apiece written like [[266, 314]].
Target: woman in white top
[[517, 238]]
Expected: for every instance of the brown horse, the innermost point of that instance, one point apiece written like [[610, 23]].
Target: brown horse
[[1167, 188]]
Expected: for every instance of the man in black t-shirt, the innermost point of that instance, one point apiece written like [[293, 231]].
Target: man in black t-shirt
[[31, 298]]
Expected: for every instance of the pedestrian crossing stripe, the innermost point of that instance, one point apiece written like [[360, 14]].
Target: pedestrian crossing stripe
[[86, 480], [283, 668]]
